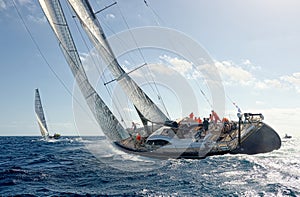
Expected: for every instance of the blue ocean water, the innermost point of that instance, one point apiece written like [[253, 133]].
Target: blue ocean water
[[74, 166]]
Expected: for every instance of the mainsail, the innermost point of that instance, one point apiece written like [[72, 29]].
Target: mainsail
[[95, 32], [39, 112], [104, 117]]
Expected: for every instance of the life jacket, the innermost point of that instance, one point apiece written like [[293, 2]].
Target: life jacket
[[225, 120], [199, 120], [138, 137], [191, 115]]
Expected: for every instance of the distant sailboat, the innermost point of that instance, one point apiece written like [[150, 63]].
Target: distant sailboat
[[287, 136], [163, 138], [39, 112]]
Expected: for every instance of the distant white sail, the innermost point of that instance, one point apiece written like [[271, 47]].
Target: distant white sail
[[94, 30], [104, 117], [39, 112]]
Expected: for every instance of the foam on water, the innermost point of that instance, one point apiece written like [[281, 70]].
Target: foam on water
[[103, 150], [92, 166]]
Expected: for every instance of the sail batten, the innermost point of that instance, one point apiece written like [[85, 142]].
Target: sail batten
[[104, 117], [96, 34]]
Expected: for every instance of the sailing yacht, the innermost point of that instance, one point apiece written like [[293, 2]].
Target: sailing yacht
[[39, 112], [162, 138]]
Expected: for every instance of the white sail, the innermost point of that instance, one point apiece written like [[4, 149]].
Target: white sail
[[39, 112], [94, 30], [104, 117]]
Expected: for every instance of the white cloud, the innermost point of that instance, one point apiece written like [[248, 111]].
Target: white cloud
[[28, 4], [35, 19], [248, 64], [27, 8], [25, 2], [259, 102], [3, 5], [273, 83], [233, 74], [292, 80], [110, 16], [244, 75], [180, 65], [260, 85]]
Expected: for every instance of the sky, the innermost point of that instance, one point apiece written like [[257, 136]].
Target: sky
[[254, 45]]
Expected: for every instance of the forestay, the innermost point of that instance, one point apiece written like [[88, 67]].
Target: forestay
[[95, 32]]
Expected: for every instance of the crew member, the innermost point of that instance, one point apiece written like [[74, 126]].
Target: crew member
[[215, 116], [192, 115]]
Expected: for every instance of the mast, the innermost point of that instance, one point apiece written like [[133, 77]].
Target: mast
[[39, 112], [96, 34], [104, 117]]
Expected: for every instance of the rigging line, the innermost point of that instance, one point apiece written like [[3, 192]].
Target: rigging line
[[161, 99], [124, 74], [95, 64], [157, 21], [118, 105], [135, 42], [156, 90], [190, 54], [154, 13], [140, 51], [103, 78], [137, 47], [157, 18], [121, 40], [117, 36], [115, 102], [238, 108], [205, 96], [128, 54], [105, 8], [202, 92], [148, 81], [44, 58], [84, 41]]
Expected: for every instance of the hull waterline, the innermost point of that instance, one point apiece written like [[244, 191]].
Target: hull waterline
[[263, 140]]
